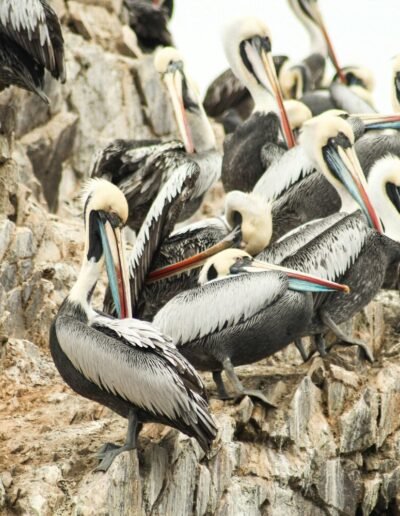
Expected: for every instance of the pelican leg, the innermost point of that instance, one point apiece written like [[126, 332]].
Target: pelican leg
[[222, 394], [240, 391], [327, 320], [320, 344], [109, 451], [299, 345]]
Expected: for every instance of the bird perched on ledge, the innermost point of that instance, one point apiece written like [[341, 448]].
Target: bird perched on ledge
[[126, 364]]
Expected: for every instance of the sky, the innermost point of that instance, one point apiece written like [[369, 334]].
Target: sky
[[364, 32]]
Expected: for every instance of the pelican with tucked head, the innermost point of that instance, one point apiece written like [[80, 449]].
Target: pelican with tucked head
[[126, 364]]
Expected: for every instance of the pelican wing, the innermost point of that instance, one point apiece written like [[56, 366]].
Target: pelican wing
[[293, 166], [160, 221], [313, 197], [219, 304], [34, 26], [133, 360], [225, 92], [349, 101], [17, 67], [334, 251], [289, 244]]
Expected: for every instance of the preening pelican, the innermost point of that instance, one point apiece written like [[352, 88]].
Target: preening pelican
[[126, 364], [244, 311], [31, 41]]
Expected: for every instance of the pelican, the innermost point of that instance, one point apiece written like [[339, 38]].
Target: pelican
[[126, 364], [243, 311], [247, 44], [31, 41], [350, 248], [296, 188], [245, 213], [396, 84], [141, 167], [149, 21]]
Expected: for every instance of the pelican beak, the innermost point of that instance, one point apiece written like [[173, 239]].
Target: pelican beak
[[297, 280], [117, 269], [316, 13], [173, 81], [377, 121], [259, 55], [196, 261], [344, 165]]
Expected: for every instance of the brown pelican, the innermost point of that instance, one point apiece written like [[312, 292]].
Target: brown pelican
[[228, 321], [31, 41], [247, 44], [126, 364], [396, 84], [149, 20]]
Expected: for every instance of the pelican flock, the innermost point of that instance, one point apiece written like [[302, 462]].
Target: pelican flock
[[309, 231]]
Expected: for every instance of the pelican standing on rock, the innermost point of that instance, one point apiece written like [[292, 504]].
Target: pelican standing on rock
[[125, 364], [30, 42]]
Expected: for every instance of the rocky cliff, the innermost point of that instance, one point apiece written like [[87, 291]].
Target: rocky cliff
[[331, 447]]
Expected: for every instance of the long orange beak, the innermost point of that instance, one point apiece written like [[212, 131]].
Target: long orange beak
[[326, 285], [117, 269], [173, 81], [331, 51], [193, 262], [269, 66]]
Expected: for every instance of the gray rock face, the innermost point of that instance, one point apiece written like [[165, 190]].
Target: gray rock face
[[330, 448]]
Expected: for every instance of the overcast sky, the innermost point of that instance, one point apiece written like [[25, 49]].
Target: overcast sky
[[364, 32]]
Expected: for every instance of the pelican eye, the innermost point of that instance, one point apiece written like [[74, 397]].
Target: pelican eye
[[174, 66], [242, 261], [113, 218]]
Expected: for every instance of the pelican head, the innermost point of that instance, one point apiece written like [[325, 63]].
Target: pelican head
[[253, 216], [194, 127], [328, 141], [247, 44], [105, 213], [298, 113], [295, 80], [396, 84], [308, 12], [237, 261], [360, 80], [384, 190]]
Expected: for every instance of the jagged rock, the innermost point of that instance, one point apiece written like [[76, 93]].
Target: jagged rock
[[47, 148], [155, 103], [358, 425], [95, 23]]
